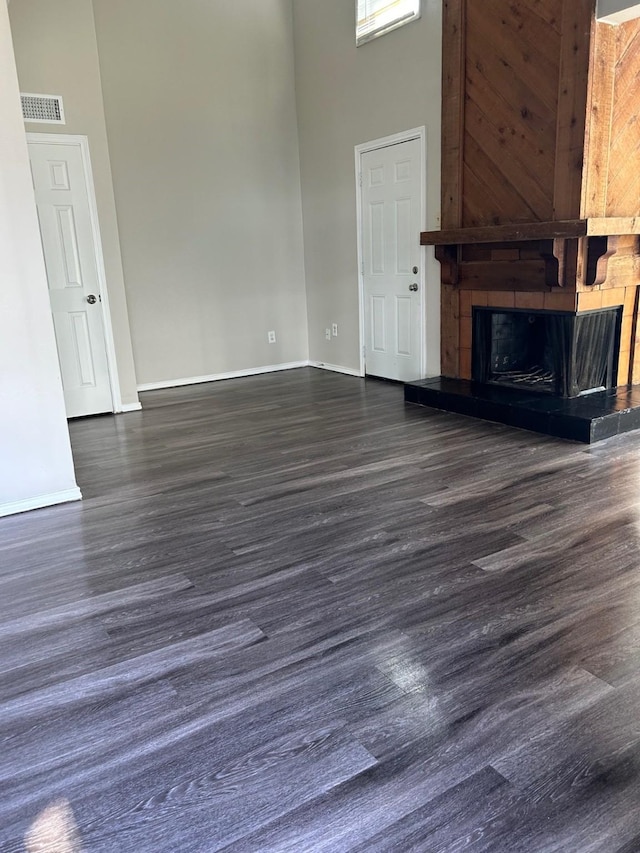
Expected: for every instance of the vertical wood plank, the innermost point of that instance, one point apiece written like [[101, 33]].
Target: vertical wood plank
[[623, 178], [577, 18], [453, 83], [599, 118], [450, 331]]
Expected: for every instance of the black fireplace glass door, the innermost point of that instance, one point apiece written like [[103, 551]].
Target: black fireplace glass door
[[559, 329], [596, 342]]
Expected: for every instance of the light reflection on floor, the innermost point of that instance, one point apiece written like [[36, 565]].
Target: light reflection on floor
[[54, 831]]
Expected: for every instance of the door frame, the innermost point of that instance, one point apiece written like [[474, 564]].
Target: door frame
[[420, 134], [83, 143]]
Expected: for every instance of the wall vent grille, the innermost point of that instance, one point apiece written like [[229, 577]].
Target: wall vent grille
[[42, 109]]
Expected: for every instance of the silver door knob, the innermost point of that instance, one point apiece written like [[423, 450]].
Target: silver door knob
[[91, 299], [413, 287]]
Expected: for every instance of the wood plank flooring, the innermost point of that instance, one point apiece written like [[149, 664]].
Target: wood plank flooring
[[294, 614]]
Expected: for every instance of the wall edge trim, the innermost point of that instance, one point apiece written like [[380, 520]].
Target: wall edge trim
[[40, 501], [336, 368], [218, 377]]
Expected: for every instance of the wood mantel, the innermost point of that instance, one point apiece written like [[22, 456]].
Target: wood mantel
[[575, 253], [559, 229]]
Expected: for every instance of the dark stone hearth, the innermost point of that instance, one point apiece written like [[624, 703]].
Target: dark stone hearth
[[589, 418]]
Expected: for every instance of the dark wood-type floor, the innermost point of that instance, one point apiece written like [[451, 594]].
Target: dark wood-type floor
[[294, 614]]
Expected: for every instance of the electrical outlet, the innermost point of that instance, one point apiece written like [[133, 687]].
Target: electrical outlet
[[327, 334], [271, 336], [334, 330]]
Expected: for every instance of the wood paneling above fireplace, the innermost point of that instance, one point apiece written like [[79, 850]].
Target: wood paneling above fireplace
[[515, 75], [541, 166]]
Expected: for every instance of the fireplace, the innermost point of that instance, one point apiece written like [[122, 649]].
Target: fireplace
[[539, 238], [562, 353]]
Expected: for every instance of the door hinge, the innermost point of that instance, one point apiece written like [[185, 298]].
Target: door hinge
[[360, 178]]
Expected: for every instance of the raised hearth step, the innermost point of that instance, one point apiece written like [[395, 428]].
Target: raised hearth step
[[590, 418]]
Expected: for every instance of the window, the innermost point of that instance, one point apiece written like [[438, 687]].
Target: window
[[376, 17]]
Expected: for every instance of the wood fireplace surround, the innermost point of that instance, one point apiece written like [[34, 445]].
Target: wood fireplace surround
[[541, 168]]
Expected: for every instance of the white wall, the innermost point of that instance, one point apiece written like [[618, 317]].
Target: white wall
[[56, 53], [617, 11], [200, 108], [36, 467], [347, 96], [208, 125]]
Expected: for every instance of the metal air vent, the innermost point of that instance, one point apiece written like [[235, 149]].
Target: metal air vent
[[42, 109]]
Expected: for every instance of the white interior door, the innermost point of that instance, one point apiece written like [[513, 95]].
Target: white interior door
[[391, 254], [60, 185]]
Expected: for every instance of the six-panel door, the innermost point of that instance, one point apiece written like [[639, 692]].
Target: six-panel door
[[391, 196], [65, 224]]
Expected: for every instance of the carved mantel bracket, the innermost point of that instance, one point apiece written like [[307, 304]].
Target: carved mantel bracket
[[599, 251], [449, 257]]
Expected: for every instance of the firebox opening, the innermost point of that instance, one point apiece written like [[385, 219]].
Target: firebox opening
[[521, 352], [552, 352]]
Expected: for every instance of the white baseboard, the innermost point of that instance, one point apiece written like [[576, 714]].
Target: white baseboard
[[336, 368], [130, 407], [40, 501], [217, 377]]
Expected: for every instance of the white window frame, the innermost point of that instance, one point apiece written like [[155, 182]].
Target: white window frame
[[383, 29]]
